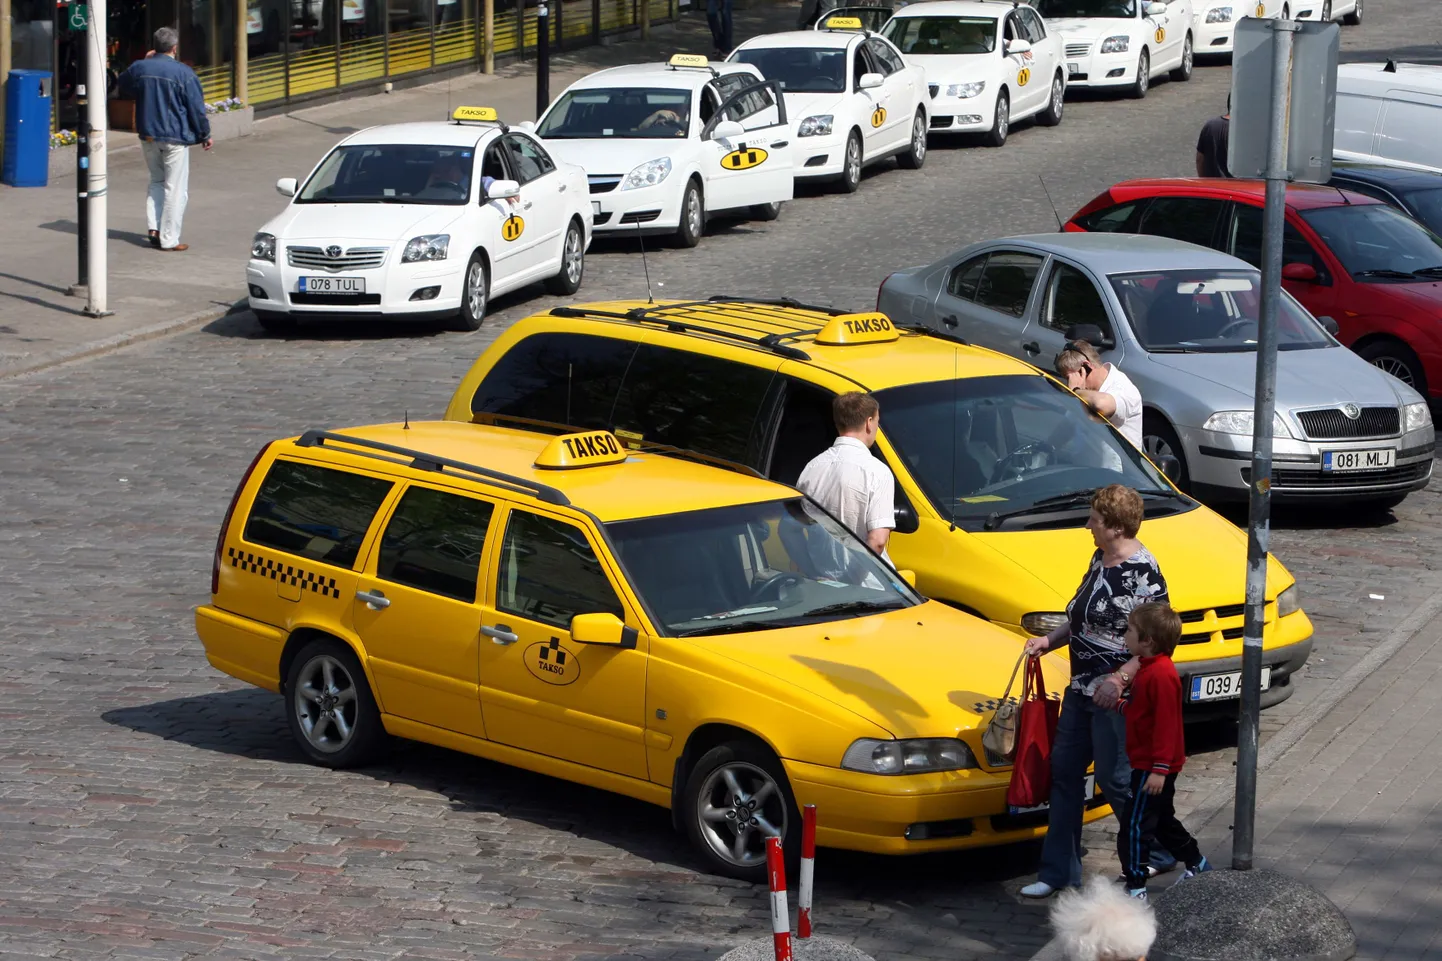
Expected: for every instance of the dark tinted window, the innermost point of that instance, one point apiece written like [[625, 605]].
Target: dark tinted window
[[807, 429], [562, 379], [1192, 219], [1072, 298], [316, 512], [1119, 219], [1035, 32], [1245, 241], [884, 57], [528, 158], [964, 278], [705, 404], [1007, 281], [434, 542], [549, 572]]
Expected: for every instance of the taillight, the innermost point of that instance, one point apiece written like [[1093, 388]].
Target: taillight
[[882, 287], [225, 524]]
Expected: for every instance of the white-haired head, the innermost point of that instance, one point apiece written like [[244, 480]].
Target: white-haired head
[[1102, 922]]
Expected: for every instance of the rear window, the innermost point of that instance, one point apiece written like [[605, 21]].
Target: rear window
[[565, 381], [315, 512]]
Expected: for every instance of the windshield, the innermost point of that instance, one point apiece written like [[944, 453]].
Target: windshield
[[391, 174], [1428, 204], [1008, 445], [942, 35], [799, 69], [1056, 9], [618, 113], [754, 567], [1377, 243], [1208, 311]]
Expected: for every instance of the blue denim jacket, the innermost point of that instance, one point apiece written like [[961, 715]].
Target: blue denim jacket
[[169, 105]]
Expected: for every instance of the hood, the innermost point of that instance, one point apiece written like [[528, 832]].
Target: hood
[[799, 106], [1078, 27], [1322, 377], [954, 67], [923, 671], [1425, 297], [383, 223], [611, 155]]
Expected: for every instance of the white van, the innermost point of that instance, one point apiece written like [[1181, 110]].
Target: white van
[[1389, 113]]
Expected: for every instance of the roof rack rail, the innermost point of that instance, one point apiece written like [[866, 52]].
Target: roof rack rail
[[429, 462], [655, 315], [791, 302]]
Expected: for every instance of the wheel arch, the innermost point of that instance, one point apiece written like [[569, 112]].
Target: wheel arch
[[303, 635], [702, 739]]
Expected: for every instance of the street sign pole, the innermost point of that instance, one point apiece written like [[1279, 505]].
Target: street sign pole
[[96, 227], [543, 58], [82, 181]]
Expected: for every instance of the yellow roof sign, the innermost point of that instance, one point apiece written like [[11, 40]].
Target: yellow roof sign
[[689, 60], [843, 23], [476, 113], [847, 329], [591, 449]]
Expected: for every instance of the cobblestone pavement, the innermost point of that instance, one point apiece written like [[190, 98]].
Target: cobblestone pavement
[[152, 808]]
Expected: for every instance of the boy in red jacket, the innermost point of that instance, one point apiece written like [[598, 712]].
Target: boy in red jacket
[[1156, 749]]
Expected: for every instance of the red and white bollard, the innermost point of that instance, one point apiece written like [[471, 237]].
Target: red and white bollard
[[808, 871], [780, 914]]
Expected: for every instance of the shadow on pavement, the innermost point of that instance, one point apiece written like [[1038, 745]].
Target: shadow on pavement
[[69, 227], [1302, 517]]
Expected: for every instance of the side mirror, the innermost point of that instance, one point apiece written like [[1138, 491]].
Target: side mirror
[[286, 186], [1092, 334], [1329, 325], [503, 190], [1302, 273], [908, 576], [527, 125], [1171, 467], [603, 629], [1156, 9], [1018, 46], [906, 520], [727, 130], [870, 81]]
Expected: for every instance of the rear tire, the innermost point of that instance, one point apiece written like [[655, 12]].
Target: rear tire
[[329, 707], [766, 212], [1183, 73], [1143, 82], [475, 295], [1397, 359], [693, 216], [1001, 121], [755, 770], [1051, 116], [567, 280], [1158, 439], [851, 164], [915, 154]]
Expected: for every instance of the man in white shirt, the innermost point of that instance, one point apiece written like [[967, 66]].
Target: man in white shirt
[[1105, 389], [847, 480]]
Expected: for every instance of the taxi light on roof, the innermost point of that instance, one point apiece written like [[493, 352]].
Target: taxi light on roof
[[591, 449], [476, 113], [843, 23], [868, 328], [689, 60]]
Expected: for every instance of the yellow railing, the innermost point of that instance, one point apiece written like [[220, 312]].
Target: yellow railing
[[267, 78], [312, 70], [215, 82], [410, 50], [362, 60], [455, 41]]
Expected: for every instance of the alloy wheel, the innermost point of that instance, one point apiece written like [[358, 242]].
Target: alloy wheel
[[1003, 118], [693, 212], [738, 808], [476, 289], [853, 160], [1058, 97], [1397, 368], [1155, 447], [325, 704], [574, 260], [918, 139]]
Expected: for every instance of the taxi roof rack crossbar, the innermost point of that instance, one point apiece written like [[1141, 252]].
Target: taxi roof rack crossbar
[[653, 315], [430, 462]]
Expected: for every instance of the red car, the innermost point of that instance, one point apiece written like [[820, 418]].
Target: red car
[[1369, 267]]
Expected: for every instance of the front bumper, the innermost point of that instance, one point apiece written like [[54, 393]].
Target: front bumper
[[1284, 662], [1102, 69], [643, 210], [417, 290], [958, 115], [820, 157], [1214, 37]]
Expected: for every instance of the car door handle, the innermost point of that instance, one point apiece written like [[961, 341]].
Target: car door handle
[[375, 600], [563, 188], [500, 634], [526, 205], [949, 320], [1031, 347], [780, 143]]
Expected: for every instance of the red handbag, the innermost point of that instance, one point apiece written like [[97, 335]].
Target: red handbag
[[1036, 730]]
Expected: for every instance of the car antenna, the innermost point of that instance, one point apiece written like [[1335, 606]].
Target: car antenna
[[1059, 227], [955, 425], [1343, 194], [644, 266], [407, 424]]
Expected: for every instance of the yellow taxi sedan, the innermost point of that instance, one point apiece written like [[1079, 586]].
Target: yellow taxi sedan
[[688, 635]]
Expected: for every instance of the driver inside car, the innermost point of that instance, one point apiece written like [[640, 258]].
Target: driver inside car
[[447, 180], [667, 117]]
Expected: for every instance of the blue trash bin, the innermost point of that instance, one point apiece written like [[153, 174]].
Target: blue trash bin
[[27, 129]]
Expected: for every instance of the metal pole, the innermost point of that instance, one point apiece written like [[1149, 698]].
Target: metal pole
[[645, 19], [82, 175], [240, 56], [4, 59], [543, 58], [488, 38], [96, 231], [1259, 527]]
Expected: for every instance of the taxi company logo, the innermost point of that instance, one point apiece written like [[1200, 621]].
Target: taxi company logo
[[1161, 34], [552, 663], [744, 158], [512, 227], [332, 251], [592, 445], [1352, 411], [878, 116], [1024, 77], [868, 325]]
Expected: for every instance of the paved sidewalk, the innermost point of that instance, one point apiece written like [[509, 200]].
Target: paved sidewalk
[[232, 192]]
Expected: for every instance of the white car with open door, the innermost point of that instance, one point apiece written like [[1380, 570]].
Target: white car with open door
[[401, 222], [1123, 44], [853, 100], [665, 145], [987, 64]]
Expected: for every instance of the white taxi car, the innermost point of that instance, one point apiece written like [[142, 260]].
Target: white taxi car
[[1216, 20], [852, 98], [401, 222], [987, 64], [666, 144], [1123, 43]]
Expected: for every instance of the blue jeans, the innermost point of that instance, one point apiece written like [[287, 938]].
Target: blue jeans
[[718, 17]]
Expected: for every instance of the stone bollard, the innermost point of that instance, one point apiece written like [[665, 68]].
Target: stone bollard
[[1257, 915], [802, 949]]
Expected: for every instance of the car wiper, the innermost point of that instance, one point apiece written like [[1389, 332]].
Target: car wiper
[[1398, 274], [854, 607], [1430, 271], [1072, 498], [733, 627]]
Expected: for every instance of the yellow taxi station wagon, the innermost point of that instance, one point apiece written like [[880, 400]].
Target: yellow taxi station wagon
[[634, 620], [995, 462]]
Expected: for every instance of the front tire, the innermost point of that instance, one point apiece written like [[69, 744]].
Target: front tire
[[1051, 116], [693, 216], [329, 706], [767, 212], [475, 295], [1397, 359], [1183, 73], [567, 280], [1354, 19], [1001, 121], [851, 164], [915, 154], [1144, 77], [737, 796], [1160, 440]]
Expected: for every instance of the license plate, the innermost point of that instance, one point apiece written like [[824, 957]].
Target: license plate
[[1338, 461], [332, 285], [596, 207], [1072, 69], [1087, 791], [1220, 687]]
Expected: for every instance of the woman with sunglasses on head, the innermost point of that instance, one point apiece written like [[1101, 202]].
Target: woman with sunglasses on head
[[1105, 389]]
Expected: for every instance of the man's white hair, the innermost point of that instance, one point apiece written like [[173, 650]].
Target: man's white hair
[[1102, 922]]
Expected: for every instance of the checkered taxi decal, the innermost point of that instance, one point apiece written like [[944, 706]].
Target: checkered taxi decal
[[284, 573]]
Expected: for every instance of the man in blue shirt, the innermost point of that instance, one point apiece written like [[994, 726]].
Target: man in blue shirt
[[170, 119]]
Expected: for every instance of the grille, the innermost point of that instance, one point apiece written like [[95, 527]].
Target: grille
[[339, 300], [640, 216], [933, 89], [356, 258], [1230, 610], [938, 123], [1302, 481], [1078, 49], [603, 183], [1332, 424]]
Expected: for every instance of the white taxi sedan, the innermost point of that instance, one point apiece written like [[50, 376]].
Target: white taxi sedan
[[987, 65], [1216, 20], [852, 98], [1123, 44], [666, 144], [401, 222]]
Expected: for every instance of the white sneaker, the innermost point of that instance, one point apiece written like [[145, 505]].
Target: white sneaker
[[1139, 893], [1038, 889]]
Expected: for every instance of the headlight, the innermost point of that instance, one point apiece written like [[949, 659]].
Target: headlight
[[426, 247], [1219, 15], [817, 126], [1042, 622], [966, 90], [1416, 417], [1116, 44], [913, 756], [1289, 602], [263, 247], [1240, 422], [649, 174]]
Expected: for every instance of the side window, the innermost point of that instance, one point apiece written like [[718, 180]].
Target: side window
[[964, 278], [860, 64], [806, 430], [563, 380], [434, 543], [1073, 299], [549, 572], [1244, 240], [1006, 282], [528, 158], [1192, 219], [884, 57], [315, 512], [756, 105], [706, 404], [709, 103], [1120, 219], [493, 163], [1035, 31]]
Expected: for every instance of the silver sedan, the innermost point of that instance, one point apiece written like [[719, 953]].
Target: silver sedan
[[1181, 322]]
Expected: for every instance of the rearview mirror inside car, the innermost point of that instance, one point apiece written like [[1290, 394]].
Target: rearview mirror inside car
[[286, 186], [603, 629], [870, 81], [727, 130], [503, 190]]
